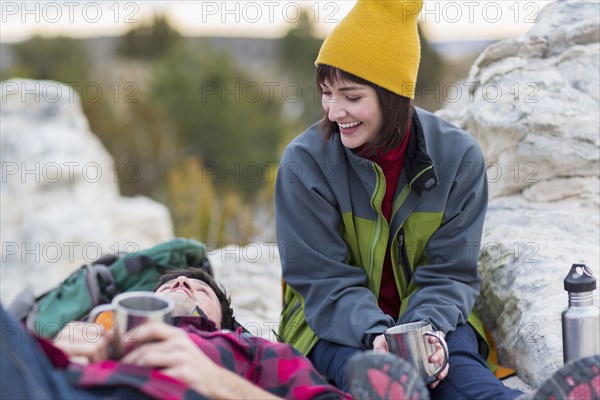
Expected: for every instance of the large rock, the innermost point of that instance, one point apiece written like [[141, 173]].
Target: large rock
[[251, 275], [60, 200], [541, 141]]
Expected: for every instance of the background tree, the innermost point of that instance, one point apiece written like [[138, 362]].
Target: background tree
[[429, 82], [298, 50], [149, 41], [59, 58], [220, 114]]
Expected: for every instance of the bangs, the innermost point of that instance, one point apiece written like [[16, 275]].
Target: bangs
[[327, 73]]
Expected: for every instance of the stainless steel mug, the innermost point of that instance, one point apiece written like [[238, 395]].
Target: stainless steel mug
[[130, 310], [411, 342]]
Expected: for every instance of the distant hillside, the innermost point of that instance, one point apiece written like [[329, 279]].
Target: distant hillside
[[254, 54], [257, 55]]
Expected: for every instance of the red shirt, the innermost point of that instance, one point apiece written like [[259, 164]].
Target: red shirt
[[391, 163]]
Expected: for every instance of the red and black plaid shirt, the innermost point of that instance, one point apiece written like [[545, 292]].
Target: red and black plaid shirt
[[275, 367]]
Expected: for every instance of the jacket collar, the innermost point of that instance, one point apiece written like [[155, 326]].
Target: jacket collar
[[419, 169], [417, 159]]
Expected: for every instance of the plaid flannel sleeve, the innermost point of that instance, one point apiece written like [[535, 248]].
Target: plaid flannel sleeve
[[275, 367]]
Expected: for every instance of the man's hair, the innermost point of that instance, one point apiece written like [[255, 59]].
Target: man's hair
[[228, 321], [395, 109]]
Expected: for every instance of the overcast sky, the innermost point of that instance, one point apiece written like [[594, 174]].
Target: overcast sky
[[444, 20]]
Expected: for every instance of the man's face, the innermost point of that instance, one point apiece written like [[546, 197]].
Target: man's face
[[188, 293]]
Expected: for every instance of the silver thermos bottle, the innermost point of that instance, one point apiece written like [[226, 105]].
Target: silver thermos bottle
[[581, 319]]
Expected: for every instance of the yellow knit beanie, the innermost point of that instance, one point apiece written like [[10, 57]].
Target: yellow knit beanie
[[378, 41]]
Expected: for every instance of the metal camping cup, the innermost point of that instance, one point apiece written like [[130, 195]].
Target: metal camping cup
[[132, 309], [411, 342]]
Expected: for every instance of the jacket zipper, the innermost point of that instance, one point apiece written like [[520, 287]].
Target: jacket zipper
[[401, 246], [379, 218], [375, 240], [404, 257]]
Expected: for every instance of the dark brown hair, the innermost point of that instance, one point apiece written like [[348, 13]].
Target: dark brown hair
[[227, 322], [396, 109]]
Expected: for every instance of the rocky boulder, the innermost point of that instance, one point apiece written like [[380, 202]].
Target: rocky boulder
[[251, 275], [60, 199], [534, 108]]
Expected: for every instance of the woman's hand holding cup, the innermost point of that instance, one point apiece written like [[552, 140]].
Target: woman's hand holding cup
[[438, 356], [417, 343]]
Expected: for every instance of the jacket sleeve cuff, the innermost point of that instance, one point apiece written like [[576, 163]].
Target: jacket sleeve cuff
[[371, 334]]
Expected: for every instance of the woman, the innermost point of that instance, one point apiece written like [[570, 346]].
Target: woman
[[380, 209]]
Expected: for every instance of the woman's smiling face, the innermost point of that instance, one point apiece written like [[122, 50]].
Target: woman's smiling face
[[356, 110]]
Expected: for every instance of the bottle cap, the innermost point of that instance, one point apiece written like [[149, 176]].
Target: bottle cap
[[580, 279]]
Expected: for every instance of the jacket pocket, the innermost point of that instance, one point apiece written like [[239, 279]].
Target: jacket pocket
[[406, 268]]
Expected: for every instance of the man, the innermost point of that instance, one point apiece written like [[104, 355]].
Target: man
[[198, 357]]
